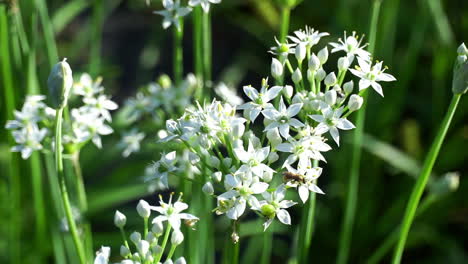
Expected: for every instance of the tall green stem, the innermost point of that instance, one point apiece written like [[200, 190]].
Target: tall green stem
[[49, 35], [206, 24], [353, 185], [267, 245], [63, 187], [420, 185], [285, 17], [39, 208], [178, 63], [15, 180], [198, 50], [96, 37]]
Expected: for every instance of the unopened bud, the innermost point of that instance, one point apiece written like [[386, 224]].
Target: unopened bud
[[348, 87], [460, 78], [119, 219], [143, 209], [60, 82], [355, 102], [330, 80], [143, 247], [330, 97], [462, 50], [208, 188], [180, 260], [165, 81], [343, 63], [124, 251], [217, 176], [276, 69], [288, 91], [135, 237], [301, 51], [177, 237], [320, 75], [314, 62], [323, 55], [235, 237], [297, 76]]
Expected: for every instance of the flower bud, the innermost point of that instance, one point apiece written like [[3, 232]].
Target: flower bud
[[119, 219], [180, 260], [460, 78], [330, 97], [288, 91], [177, 237], [238, 130], [462, 50], [214, 162], [314, 63], [297, 76], [156, 249], [268, 210], [268, 175], [168, 261], [143, 209], [273, 157], [462, 59], [330, 80], [320, 75], [448, 183], [143, 247], [157, 228], [235, 237], [348, 87], [124, 251], [301, 51], [227, 162], [165, 81], [355, 102], [274, 137], [135, 237], [60, 82], [208, 188], [276, 69], [343, 64], [323, 55]]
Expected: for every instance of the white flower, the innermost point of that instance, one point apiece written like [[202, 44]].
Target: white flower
[[173, 11], [371, 75], [330, 120], [303, 150], [309, 37], [274, 205], [253, 158], [283, 118], [228, 94], [102, 256], [88, 125], [205, 4], [283, 49], [352, 47], [241, 191], [172, 213], [28, 139], [260, 100], [164, 167], [86, 87], [307, 183], [131, 142], [102, 104]]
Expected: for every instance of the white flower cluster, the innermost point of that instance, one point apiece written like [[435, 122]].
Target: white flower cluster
[[157, 100], [174, 10], [33, 124], [149, 249], [244, 162]]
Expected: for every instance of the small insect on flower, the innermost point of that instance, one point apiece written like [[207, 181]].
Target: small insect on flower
[[293, 177]]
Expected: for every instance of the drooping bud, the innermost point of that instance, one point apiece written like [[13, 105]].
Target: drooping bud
[[297, 76], [60, 82], [208, 188], [143, 209], [119, 219], [276, 69], [323, 55], [355, 102]]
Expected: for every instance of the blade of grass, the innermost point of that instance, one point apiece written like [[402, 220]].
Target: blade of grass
[[420, 185], [353, 186], [67, 13], [96, 37], [49, 36]]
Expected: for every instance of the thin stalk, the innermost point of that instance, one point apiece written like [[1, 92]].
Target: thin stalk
[[353, 185], [307, 225], [421, 183], [198, 50], [14, 173], [267, 245], [63, 187], [164, 243], [49, 35], [96, 37], [39, 208], [178, 62], [206, 24], [171, 251], [285, 17]]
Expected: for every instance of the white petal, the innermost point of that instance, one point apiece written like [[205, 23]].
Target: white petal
[[284, 216], [294, 109], [377, 88], [315, 189], [317, 118], [284, 130], [285, 147], [335, 135], [345, 124], [295, 123], [303, 193], [363, 84], [251, 92], [259, 187], [272, 93]]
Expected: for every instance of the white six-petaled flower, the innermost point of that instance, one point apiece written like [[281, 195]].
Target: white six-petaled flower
[[371, 75], [283, 118], [173, 11]]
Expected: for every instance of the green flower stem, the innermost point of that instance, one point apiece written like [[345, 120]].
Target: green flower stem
[[164, 243], [178, 63], [63, 187], [420, 185], [49, 36], [39, 208], [124, 237], [96, 37], [15, 181], [145, 231], [306, 226], [198, 50], [206, 24], [353, 185], [285, 17], [171, 251], [267, 245]]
